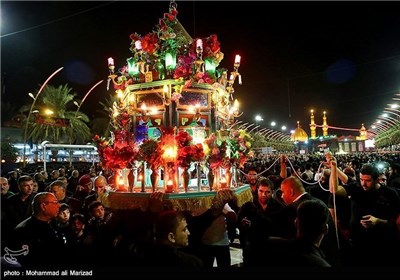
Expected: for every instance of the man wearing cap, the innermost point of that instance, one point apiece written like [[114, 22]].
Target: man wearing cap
[[84, 188]]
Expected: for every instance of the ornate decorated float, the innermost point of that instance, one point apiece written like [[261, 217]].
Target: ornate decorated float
[[172, 121]]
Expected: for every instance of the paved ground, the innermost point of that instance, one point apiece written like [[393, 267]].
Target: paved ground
[[236, 254]]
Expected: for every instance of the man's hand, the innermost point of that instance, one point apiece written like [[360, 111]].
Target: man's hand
[[328, 157], [222, 197], [245, 223], [369, 221]]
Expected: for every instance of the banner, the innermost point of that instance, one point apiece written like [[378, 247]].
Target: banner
[[60, 122]]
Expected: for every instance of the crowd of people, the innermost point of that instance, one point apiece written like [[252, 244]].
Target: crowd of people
[[306, 211]]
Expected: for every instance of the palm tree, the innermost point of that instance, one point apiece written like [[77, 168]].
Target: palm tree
[[59, 101], [101, 125]]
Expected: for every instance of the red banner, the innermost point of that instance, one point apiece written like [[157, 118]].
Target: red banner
[[60, 122]]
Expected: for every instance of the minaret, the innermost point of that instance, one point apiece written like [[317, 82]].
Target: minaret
[[313, 127], [363, 133], [324, 126]]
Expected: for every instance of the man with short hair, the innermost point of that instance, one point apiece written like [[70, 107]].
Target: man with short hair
[[303, 250], [251, 178], [393, 180], [13, 181], [19, 206], [257, 220], [73, 180], [171, 237], [293, 194], [5, 194], [37, 233], [374, 210], [100, 186], [311, 225], [58, 189], [5, 189]]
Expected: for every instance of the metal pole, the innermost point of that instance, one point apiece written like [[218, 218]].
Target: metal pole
[[44, 158], [30, 111]]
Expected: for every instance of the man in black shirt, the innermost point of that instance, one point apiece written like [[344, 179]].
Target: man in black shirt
[[374, 210]]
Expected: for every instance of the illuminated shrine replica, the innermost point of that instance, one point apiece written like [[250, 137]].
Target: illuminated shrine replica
[[172, 121]]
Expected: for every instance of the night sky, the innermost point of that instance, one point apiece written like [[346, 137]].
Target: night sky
[[342, 57]]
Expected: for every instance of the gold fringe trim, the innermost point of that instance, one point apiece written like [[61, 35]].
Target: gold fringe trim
[[194, 202]]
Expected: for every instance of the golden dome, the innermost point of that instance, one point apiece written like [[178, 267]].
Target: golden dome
[[299, 134]]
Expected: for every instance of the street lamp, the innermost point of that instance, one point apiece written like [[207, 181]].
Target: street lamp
[[258, 118], [273, 123], [48, 112], [392, 111], [386, 117], [77, 110], [384, 124], [30, 111], [86, 95]]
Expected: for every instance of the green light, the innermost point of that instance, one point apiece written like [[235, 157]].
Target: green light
[[160, 69], [133, 67], [209, 65], [170, 60]]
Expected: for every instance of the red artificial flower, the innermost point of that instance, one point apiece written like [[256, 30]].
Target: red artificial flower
[[182, 72], [162, 24], [183, 139], [149, 43], [118, 157], [150, 151], [173, 12], [169, 16], [134, 37]]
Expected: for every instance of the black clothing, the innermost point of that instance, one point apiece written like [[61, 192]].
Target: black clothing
[[287, 229], [394, 182], [72, 184], [74, 204], [13, 183], [167, 256], [18, 210], [379, 240], [316, 191], [286, 225], [263, 224], [14, 210], [46, 245], [280, 252]]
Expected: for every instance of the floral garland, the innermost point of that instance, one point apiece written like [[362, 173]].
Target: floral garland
[[216, 152], [118, 158], [150, 151], [225, 153], [187, 152], [240, 144], [114, 157]]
